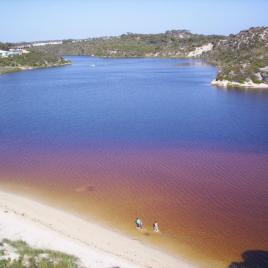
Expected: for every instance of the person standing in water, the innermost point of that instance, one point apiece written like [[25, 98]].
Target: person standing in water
[[156, 227], [138, 223]]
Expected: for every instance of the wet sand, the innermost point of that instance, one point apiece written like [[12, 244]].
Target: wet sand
[[211, 205], [97, 247]]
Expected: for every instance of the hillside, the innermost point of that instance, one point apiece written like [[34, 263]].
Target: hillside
[[31, 60], [4, 46], [175, 43], [242, 59]]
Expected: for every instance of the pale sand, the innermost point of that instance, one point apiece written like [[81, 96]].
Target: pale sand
[[250, 84], [96, 246]]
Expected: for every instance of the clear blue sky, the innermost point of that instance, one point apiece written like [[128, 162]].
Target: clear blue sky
[[26, 20]]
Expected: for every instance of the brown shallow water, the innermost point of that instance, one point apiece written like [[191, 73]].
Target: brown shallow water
[[211, 205]]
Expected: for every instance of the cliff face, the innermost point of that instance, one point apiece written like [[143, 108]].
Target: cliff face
[[242, 58]]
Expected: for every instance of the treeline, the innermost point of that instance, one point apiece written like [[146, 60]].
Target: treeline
[[170, 44], [4, 46]]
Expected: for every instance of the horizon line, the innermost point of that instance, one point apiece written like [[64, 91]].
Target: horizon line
[[118, 35]]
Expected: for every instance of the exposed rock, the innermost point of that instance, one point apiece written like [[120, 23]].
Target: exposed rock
[[230, 84], [242, 59]]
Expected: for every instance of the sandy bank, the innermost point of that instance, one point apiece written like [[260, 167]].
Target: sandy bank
[[45, 227], [228, 84]]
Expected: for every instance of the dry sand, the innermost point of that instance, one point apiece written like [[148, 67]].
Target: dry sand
[[96, 246]]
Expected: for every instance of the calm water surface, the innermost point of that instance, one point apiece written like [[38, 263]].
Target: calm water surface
[[120, 138]]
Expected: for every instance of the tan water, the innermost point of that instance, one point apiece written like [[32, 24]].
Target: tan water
[[211, 205]]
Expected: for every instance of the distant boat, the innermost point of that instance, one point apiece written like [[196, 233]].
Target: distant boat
[[93, 65]]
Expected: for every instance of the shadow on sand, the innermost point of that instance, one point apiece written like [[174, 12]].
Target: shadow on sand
[[252, 259]]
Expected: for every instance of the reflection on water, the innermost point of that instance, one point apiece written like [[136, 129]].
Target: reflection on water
[[143, 138]]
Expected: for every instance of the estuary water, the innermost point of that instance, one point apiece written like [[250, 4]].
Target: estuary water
[[113, 139]]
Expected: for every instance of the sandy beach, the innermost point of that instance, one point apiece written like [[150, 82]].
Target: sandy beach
[[45, 227]]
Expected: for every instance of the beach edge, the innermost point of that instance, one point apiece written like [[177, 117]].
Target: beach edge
[[42, 226]]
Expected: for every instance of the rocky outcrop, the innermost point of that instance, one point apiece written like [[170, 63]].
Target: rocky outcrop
[[251, 38], [242, 59]]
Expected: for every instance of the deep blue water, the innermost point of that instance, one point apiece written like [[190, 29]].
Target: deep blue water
[[152, 102]]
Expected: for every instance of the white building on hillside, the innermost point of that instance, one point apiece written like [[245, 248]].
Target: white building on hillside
[[12, 52], [3, 53], [38, 44]]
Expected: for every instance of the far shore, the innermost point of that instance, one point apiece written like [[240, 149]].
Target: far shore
[[9, 69], [216, 83], [96, 246]]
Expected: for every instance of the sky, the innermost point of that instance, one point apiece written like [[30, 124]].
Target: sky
[[29, 20]]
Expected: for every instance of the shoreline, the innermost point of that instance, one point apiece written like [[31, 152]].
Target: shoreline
[[230, 84], [42, 226], [217, 83], [29, 68]]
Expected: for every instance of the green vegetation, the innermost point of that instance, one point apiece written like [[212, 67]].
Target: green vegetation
[[176, 43], [239, 58], [28, 257], [33, 59], [4, 46], [242, 57]]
